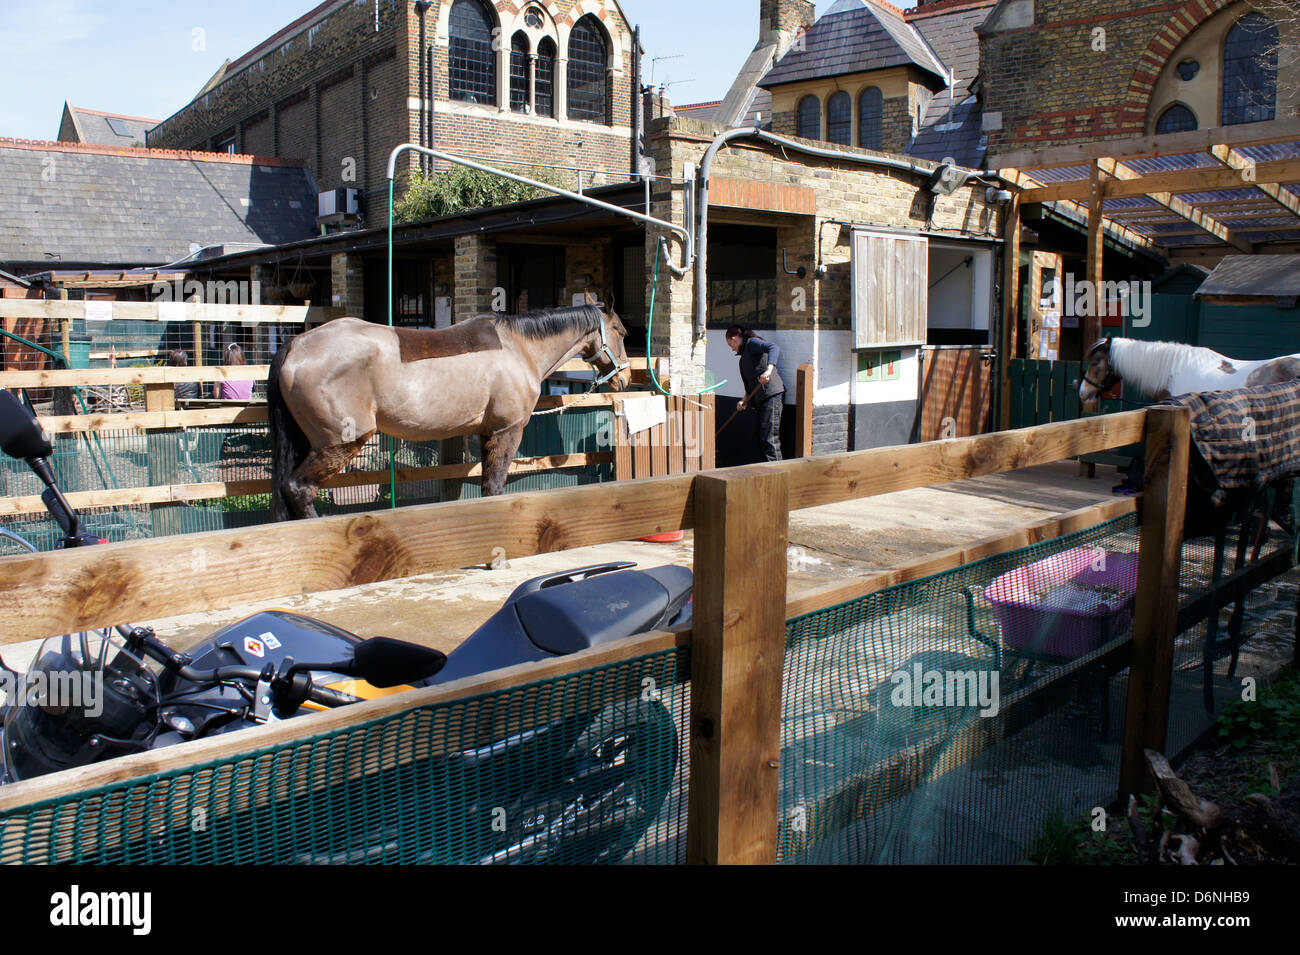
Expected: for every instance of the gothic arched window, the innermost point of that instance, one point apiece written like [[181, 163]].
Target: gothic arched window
[[1176, 119], [472, 64], [544, 78], [871, 113], [588, 65], [839, 119], [810, 118], [1250, 71], [519, 73]]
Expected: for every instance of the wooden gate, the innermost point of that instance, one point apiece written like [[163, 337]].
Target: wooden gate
[[683, 444], [956, 392]]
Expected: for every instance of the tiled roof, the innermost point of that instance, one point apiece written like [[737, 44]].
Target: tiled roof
[[1254, 275], [952, 125], [96, 205], [852, 37], [108, 129]]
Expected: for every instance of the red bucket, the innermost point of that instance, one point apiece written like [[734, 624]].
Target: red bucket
[[672, 537]]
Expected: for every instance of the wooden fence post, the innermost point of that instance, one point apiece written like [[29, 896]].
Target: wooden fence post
[[1155, 616], [737, 656], [803, 428]]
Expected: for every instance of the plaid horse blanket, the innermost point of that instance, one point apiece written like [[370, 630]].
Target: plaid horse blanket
[[1244, 440]]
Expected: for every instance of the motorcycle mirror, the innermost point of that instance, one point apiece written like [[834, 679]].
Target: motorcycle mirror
[[385, 662], [21, 435]]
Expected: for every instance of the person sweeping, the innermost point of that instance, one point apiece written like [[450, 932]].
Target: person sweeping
[[764, 389]]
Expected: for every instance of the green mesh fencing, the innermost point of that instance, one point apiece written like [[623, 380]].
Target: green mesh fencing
[[585, 768], [886, 757], [122, 460]]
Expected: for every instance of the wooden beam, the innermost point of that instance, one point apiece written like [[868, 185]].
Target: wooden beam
[[1098, 185], [149, 375], [216, 490], [84, 588], [1178, 181], [1168, 144], [1235, 159], [803, 431], [1009, 329], [174, 312], [737, 658], [1047, 529], [154, 421], [1118, 231], [1155, 614], [1180, 207]]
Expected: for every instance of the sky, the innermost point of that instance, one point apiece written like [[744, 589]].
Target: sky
[[149, 57]]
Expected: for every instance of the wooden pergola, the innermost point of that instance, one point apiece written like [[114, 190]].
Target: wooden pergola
[[1189, 197]]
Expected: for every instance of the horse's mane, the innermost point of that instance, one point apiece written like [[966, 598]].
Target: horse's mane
[[550, 322], [1147, 366]]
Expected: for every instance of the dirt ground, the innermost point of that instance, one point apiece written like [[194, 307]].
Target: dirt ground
[[830, 544]]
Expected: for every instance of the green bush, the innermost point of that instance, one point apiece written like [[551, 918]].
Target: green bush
[[460, 189]]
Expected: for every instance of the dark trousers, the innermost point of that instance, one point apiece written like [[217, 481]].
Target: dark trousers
[[768, 413]]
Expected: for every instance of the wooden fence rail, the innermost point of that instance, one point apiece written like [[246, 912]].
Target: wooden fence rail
[[738, 638]]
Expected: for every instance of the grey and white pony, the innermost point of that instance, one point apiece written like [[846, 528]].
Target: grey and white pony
[[1163, 369]]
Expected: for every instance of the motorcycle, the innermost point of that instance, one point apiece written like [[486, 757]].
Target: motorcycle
[[582, 788]]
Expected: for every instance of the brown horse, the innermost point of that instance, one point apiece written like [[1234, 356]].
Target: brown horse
[[332, 388]]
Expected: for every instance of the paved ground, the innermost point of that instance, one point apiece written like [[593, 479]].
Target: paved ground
[[834, 542]]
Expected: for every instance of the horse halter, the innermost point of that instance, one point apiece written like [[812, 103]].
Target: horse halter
[[1112, 379], [606, 352]]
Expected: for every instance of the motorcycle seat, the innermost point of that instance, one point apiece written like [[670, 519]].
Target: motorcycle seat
[[588, 613]]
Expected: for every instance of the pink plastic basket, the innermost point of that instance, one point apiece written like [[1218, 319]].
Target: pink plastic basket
[[1052, 608]]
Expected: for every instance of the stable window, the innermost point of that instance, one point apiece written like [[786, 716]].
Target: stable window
[[839, 119], [588, 65], [1250, 71], [810, 118], [890, 289], [871, 111], [544, 78], [519, 73], [472, 67], [742, 276]]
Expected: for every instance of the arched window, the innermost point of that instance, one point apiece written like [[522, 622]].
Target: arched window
[[871, 111], [519, 73], [1250, 71], [544, 78], [472, 64], [839, 119], [1176, 119], [588, 63], [810, 118]]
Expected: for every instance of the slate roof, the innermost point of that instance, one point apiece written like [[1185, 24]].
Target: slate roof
[[854, 36], [952, 125], [94, 127], [1254, 276], [97, 206]]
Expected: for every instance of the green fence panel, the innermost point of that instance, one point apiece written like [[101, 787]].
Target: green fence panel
[[427, 785]]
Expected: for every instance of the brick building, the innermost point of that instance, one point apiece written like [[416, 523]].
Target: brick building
[[1062, 72], [550, 82]]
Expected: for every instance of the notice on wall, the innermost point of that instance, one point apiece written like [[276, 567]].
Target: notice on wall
[[442, 312], [1051, 319], [99, 311]]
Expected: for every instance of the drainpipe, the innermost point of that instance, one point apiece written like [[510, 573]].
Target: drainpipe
[[426, 75], [706, 167]]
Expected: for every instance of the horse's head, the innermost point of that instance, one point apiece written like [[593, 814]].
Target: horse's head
[[1100, 376], [605, 350]]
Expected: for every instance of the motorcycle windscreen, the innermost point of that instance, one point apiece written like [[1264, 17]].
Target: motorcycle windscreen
[[84, 699]]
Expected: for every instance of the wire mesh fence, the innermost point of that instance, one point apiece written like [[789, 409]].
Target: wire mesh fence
[[125, 460], [584, 768]]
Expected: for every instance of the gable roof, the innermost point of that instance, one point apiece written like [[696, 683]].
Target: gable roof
[[855, 36], [104, 129], [104, 206], [1255, 276]]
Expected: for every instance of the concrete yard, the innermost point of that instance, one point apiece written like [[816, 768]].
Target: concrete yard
[[827, 544]]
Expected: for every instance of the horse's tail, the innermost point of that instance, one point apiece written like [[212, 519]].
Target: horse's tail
[[289, 444]]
